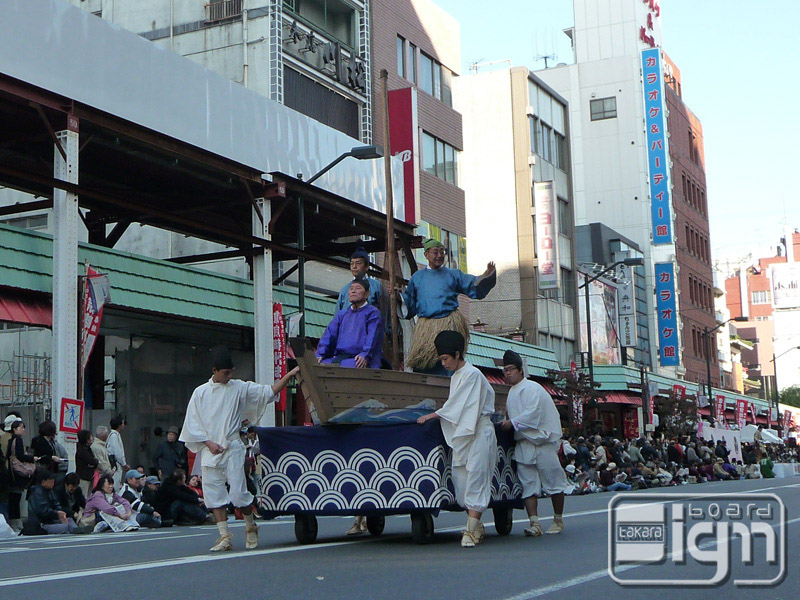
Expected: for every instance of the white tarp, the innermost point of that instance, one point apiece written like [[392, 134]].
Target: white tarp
[[66, 50], [770, 436]]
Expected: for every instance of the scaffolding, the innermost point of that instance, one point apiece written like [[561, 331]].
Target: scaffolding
[[25, 381]]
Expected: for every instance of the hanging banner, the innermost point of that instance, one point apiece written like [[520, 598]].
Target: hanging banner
[[577, 412], [753, 412], [787, 421], [630, 423], [719, 409], [95, 295], [657, 153], [544, 199], [666, 310], [741, 413], [280, 354], [679, 391], [626, 306], [652, 392], [404, 137]]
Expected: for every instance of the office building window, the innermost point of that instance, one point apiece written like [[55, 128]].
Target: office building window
[[412, 63], [603, 108], [567, 287], [439, 158], [426, 73], [546, 150], [561, 152], [564, 217], [534, 125], [447, 86], [401, 56]]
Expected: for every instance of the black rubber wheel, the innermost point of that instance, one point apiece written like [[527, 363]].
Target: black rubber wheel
[[376, 524], [422, 528], [503, 520], [305, 528]]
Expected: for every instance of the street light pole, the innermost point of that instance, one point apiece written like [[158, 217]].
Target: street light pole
[[360, 153], [628, 262]]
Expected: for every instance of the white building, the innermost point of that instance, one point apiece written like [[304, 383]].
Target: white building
[[523, 143]]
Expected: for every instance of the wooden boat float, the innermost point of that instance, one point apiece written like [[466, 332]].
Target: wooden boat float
[[345, 395]]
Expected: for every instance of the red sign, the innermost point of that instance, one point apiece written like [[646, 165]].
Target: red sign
[[279, 339], [787, 420], [753, 412], [679, 391], [719, 408], [741, 413], [71, 418], [630, 423], [404, 137]]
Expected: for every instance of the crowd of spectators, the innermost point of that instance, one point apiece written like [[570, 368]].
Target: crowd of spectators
[[598, 464], [103, 493]]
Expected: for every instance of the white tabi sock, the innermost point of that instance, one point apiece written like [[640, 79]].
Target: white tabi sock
[[558, 517], [223, 527], [533, 519], [472, 523]]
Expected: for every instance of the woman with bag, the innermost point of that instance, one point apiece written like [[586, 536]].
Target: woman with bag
[[21, 468], [52, 455]]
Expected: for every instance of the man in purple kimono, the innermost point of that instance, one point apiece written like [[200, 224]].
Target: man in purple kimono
[[354, 336]]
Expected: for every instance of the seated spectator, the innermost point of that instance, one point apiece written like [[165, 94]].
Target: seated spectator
[[752, 471], [71, 498], [354, 337], [766, 467], [664, 476], [195, 483], [719, 471], [145, 514], [184, 505], [613, 480], [45, 514], [731, 470], [112, 510], [691, 454], [170, 455]]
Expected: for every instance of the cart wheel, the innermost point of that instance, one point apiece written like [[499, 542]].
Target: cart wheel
[[503, 520], [305, 528], [422, 528], [376, 524]]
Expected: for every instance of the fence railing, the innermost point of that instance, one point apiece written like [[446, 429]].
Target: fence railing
[[219, 11]]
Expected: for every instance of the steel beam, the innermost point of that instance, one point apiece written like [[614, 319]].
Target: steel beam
[[262, 305]]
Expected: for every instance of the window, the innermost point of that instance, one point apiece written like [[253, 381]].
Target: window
[[547, 143], [426, 73], [535, 132], [603, 108], [561, 152], [33, 222], [429, 153], [439, 158], [764, 297], [564, 217], [401, 56], [334, 17], [447, 86], [437, 81], [412, 63], [567, 287]]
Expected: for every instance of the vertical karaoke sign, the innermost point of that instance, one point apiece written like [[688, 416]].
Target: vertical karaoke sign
[[666, 308], [657, 156]]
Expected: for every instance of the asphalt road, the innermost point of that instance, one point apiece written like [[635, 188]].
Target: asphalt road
[[176, 562]]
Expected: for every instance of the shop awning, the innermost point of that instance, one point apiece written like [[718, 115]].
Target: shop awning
[[16, 308], [622, 398]]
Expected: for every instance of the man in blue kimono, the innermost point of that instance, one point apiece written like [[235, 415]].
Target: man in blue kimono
[[354, 336], [359, 265], [432, 296]]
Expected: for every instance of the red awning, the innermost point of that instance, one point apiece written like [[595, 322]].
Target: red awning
[[621, 398], [16, 308], [492, 377]]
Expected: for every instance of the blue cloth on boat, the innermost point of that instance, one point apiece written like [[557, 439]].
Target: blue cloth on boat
[[353, 333], [367, 469], [433, 293]]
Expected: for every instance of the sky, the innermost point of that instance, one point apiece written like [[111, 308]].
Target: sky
[[738, 61]]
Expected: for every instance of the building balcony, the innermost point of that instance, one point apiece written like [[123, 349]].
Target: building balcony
[[220, 11], [720, 316]]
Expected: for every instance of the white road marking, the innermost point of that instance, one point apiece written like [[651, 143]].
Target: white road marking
[[65, 575]]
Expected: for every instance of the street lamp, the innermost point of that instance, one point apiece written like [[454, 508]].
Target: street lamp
[[628, 262], [775, 382], [359, 153], [706, 331]]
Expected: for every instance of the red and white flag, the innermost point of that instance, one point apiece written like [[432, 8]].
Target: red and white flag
[[279, 340], [97, 292]]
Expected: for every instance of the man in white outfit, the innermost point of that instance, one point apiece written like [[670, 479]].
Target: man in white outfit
[[533, 416], [467, 427], [211, 429]]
